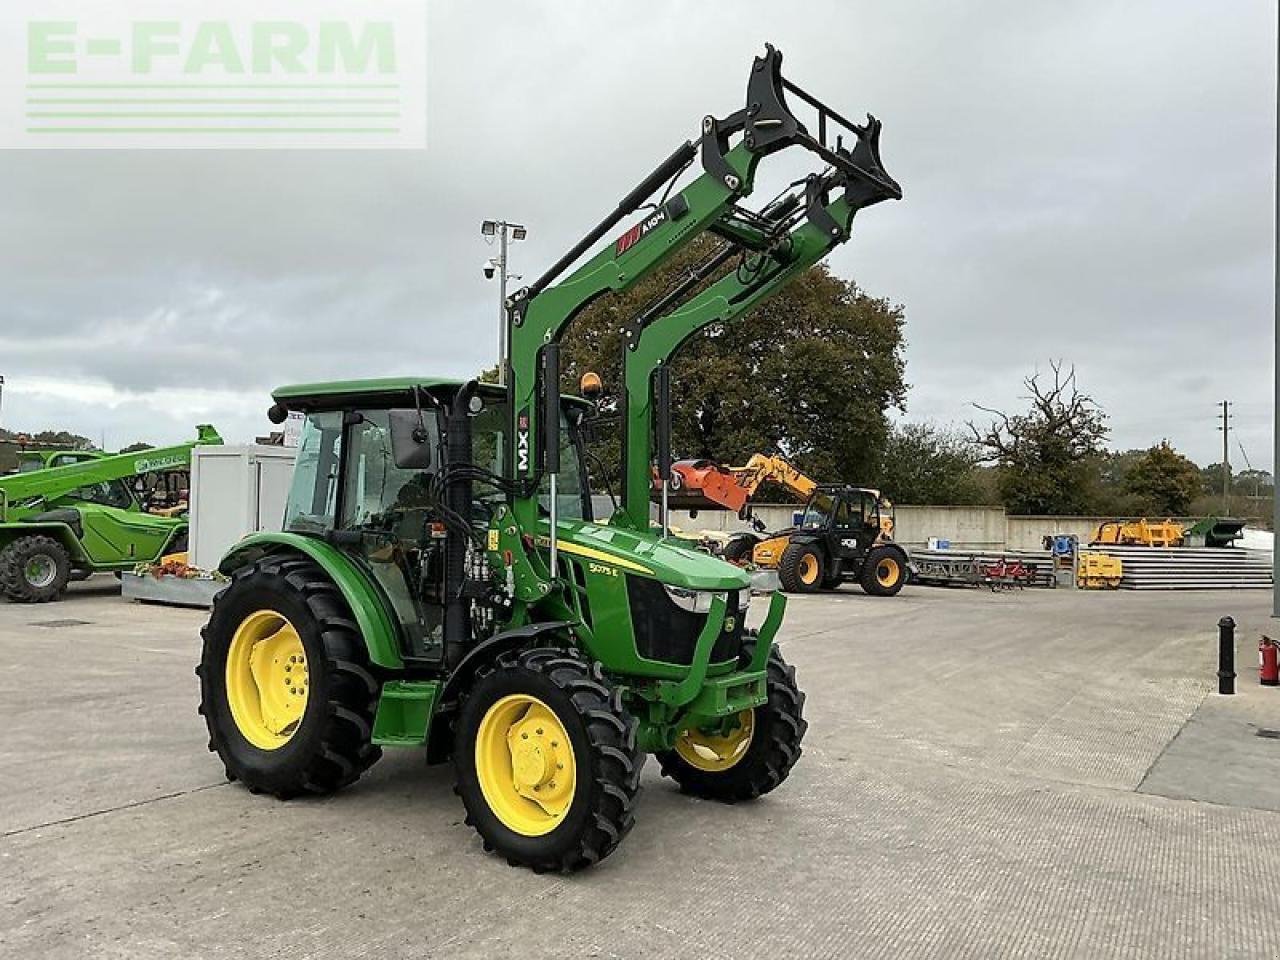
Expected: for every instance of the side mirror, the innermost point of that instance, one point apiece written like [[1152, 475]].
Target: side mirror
[[410, 440]]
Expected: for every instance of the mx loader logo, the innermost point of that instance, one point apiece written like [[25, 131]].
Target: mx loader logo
[[522, 442]]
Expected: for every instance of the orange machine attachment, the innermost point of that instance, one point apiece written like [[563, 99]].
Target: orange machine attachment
[[706, 485]]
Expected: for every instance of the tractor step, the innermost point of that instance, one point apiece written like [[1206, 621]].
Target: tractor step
[[404, 712]]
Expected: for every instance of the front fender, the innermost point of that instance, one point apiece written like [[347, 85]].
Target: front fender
[[377, 626], [57, 530]]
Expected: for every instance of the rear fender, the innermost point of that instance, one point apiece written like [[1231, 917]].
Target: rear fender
[[61, 532], [378, 628]]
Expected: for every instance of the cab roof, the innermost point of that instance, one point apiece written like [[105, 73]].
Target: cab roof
[[340, 393], [385, 391]]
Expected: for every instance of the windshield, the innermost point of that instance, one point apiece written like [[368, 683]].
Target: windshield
[[489, 433], [817, 515], [314, 493]]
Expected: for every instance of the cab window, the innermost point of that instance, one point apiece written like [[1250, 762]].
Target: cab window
[[378, 494], [108, 493], [314, 494]]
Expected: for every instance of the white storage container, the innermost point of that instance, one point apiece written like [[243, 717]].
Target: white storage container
[[235, 491]]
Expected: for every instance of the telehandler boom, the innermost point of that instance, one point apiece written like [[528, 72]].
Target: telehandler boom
[[441, 580], [67, 522]]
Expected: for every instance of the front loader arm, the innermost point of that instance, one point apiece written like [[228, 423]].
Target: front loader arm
[[538, 315], [733, 295]]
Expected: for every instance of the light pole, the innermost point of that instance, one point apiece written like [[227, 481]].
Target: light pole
[[505, 232]]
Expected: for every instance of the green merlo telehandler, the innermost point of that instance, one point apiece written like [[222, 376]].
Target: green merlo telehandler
[[441, 581], [62, 523]]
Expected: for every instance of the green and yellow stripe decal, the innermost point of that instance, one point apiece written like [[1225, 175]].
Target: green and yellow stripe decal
[[591, 553]]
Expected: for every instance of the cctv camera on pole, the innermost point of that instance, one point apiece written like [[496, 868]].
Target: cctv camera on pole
[[503, 231]]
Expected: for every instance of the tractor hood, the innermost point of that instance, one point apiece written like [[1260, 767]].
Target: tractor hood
[[648, 555]]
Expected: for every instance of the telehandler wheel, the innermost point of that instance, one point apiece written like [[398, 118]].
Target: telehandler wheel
[[546, 760], [34, 569], [286, 688], [883, 572], [802, 568], [756, 755], [738, 550]]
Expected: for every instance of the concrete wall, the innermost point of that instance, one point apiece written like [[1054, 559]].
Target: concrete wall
[[978, 528]]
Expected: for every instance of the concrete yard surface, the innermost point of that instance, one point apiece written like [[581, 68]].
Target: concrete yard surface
[[1031, 774]]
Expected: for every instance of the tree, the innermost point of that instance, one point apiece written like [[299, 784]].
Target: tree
[[923, 463], [809, 373], [1049, 457], [1164, 481], [49, 438]]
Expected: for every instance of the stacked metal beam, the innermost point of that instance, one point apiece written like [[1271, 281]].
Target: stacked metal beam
[[941, 568], [1188, 568]]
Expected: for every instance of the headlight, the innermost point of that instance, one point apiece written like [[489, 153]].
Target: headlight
[[744, 600], [694, 601]]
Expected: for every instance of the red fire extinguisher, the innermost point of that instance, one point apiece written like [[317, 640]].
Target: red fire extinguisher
[[1268, 665]]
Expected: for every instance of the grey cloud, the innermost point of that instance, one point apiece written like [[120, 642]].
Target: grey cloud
[[1084, 180]]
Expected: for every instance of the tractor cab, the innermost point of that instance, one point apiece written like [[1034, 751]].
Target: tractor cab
[[376, 478], [856, 516], [370, 479]]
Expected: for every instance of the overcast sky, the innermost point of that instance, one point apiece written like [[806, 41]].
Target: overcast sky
[[1090, 181]]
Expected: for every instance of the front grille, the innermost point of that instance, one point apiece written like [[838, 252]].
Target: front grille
[[666, 633]]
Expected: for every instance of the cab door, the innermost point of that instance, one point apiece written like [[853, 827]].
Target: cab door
[[856, 525], [848, 540], [392, 510]]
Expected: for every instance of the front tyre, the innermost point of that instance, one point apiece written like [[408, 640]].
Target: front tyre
[[546, 760], [884, 572], [287, 691], [802, 568], [754, 755], [34, 569]]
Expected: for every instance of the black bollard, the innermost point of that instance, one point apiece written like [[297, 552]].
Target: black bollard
[[1226, 655]]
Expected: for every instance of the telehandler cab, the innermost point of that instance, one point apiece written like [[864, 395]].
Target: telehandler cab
[[441, 580]]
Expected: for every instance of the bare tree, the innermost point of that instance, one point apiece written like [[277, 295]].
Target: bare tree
[[1048, 455]]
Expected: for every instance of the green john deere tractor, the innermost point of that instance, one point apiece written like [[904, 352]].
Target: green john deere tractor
[[441, 581], [63, 522]]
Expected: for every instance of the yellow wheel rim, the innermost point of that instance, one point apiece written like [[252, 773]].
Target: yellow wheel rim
[[267, 679], [525, 765], [887, 572], [808, 568], [716, 752]]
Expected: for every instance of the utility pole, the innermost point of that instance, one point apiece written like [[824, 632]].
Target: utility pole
[[1, 396], [1226, 456], [504, 232]]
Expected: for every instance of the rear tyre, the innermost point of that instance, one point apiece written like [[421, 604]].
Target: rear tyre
[[287, 690], [546, 760], [884, 572], [34, 569], [802, 568], [756, 755]]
